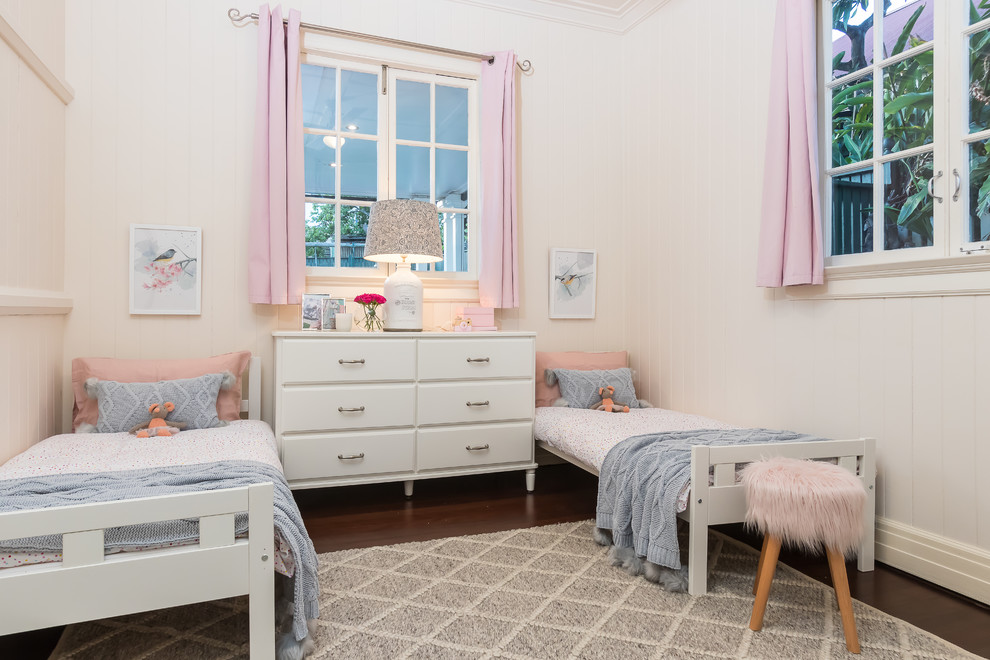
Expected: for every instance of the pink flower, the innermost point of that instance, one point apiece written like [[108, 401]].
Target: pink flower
[[370, 299]]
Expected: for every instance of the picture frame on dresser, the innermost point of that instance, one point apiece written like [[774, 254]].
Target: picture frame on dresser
[[403, 406]]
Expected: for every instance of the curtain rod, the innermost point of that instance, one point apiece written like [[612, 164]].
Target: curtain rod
[[236, 18]]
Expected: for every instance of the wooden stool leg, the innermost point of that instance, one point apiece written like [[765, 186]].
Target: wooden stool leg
[[769, 560], [837, 565], [759, 567]]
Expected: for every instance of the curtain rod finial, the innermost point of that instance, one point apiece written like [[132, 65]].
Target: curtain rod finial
[[234, 14]]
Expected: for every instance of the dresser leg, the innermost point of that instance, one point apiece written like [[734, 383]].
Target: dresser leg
[[408, 487], [530, 481]]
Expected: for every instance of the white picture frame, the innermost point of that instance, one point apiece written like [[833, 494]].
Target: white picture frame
[[573, 283], [165, 269]]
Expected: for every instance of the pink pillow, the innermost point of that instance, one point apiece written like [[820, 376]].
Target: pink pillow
[[577, 360], [84, 409]]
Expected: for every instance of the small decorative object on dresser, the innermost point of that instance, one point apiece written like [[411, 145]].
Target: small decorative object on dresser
[[403, 406], [344, 321], [370, 302]]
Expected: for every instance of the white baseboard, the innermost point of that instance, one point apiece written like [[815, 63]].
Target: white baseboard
[[951, 564]]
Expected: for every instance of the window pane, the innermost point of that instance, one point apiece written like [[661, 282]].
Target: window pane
[[320, 161], [454, 233], [979, 192], [412, 177], [852, 36], [319, 234], [852, 122], [359, 169], [353, 230], [452, 178], [319, 94], [412, 111], [908, 117], [978, 10], [906, 24], [359, 102], [452, 115], [907, 207], [852, 212], [979, 81]]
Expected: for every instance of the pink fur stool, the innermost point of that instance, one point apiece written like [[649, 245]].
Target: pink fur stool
[[809, 504]]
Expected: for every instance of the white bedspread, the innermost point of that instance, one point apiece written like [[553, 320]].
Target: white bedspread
[[588, 435], [242, 440]]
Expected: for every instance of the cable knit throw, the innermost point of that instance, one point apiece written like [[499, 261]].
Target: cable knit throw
[[642, 476], [83, 488]]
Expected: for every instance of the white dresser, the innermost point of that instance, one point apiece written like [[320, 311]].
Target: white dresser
[[354, 408]]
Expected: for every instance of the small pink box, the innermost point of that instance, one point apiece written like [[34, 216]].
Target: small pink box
[[483, 328], [483, 316]]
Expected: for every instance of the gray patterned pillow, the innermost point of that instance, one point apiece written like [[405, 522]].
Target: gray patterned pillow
[[123, 406], [580, 388]]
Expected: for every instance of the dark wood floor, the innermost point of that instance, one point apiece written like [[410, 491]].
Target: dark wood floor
[[362, 516]]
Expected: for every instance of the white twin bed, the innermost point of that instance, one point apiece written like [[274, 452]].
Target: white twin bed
[[713, 496], [83, 583]]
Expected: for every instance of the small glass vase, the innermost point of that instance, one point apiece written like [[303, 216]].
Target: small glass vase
[[371, 321]]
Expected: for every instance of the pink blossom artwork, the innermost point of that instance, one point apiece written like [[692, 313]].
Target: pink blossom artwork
[[165, 269]]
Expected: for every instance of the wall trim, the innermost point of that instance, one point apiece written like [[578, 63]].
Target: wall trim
[[16, 302], [578, 14], [21, 48], [957, 566]]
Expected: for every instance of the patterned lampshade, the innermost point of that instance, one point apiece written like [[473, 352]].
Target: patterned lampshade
[[403, 231]]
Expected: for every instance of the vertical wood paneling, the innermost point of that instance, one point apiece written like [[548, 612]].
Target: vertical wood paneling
[[906, 371], [161, 133], [32, 250]]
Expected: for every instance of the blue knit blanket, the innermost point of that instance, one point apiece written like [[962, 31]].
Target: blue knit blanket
[[82, 488], [642, 476]]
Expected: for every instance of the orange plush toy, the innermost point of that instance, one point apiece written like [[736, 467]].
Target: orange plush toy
[[607, 404], [157, 425]]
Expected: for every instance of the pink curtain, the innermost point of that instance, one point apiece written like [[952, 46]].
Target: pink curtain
[[498, 280], [276, 244], [790, 250]]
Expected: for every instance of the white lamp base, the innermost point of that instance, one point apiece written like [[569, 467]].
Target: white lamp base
[[403, 301]]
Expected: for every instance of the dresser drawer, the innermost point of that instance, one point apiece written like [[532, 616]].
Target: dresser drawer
[[464, 446], [338, 407], [348, 454], [331, 360], [448, 403], [441, 359]]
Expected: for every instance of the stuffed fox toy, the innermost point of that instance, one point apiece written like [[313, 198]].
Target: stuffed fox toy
[[157, 425], [607, 404]]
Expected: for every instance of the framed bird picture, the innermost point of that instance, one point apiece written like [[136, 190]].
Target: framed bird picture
[[165, 269], [572, 283]]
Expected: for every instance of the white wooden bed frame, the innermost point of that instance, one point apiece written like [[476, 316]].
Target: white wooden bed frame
[[89, 585], [724, 501]]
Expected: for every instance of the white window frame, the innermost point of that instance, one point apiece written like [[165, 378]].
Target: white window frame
[[355, 55], [952, 265]]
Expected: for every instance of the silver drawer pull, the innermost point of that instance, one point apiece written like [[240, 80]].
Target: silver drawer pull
[[343, 410], [477, 448], [478, 403], [479, 359], [361, 361], [350, 457]]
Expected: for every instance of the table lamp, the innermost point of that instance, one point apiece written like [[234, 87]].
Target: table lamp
[[403, 232]]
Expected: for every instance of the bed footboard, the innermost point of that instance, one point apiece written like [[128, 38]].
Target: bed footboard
[[89, 585], [724, 501]]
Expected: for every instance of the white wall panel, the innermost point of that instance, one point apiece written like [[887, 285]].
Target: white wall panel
[[32, 247], [906, 371], [161, 132]]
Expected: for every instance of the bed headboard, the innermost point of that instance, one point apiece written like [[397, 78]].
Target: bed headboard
[[251, 403]]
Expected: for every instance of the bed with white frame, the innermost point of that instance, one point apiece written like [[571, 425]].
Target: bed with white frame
[[88, 585], [723, 501]]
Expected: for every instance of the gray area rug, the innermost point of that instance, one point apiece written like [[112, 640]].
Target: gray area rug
[[544, 592]]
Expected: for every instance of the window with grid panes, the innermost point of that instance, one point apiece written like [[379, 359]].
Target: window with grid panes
[[374, 132], [907, 176]]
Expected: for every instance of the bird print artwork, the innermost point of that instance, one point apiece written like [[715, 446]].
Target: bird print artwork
[[165, 267], [572, 287]]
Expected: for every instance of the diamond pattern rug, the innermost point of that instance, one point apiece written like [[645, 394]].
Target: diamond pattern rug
[[544, 592]]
